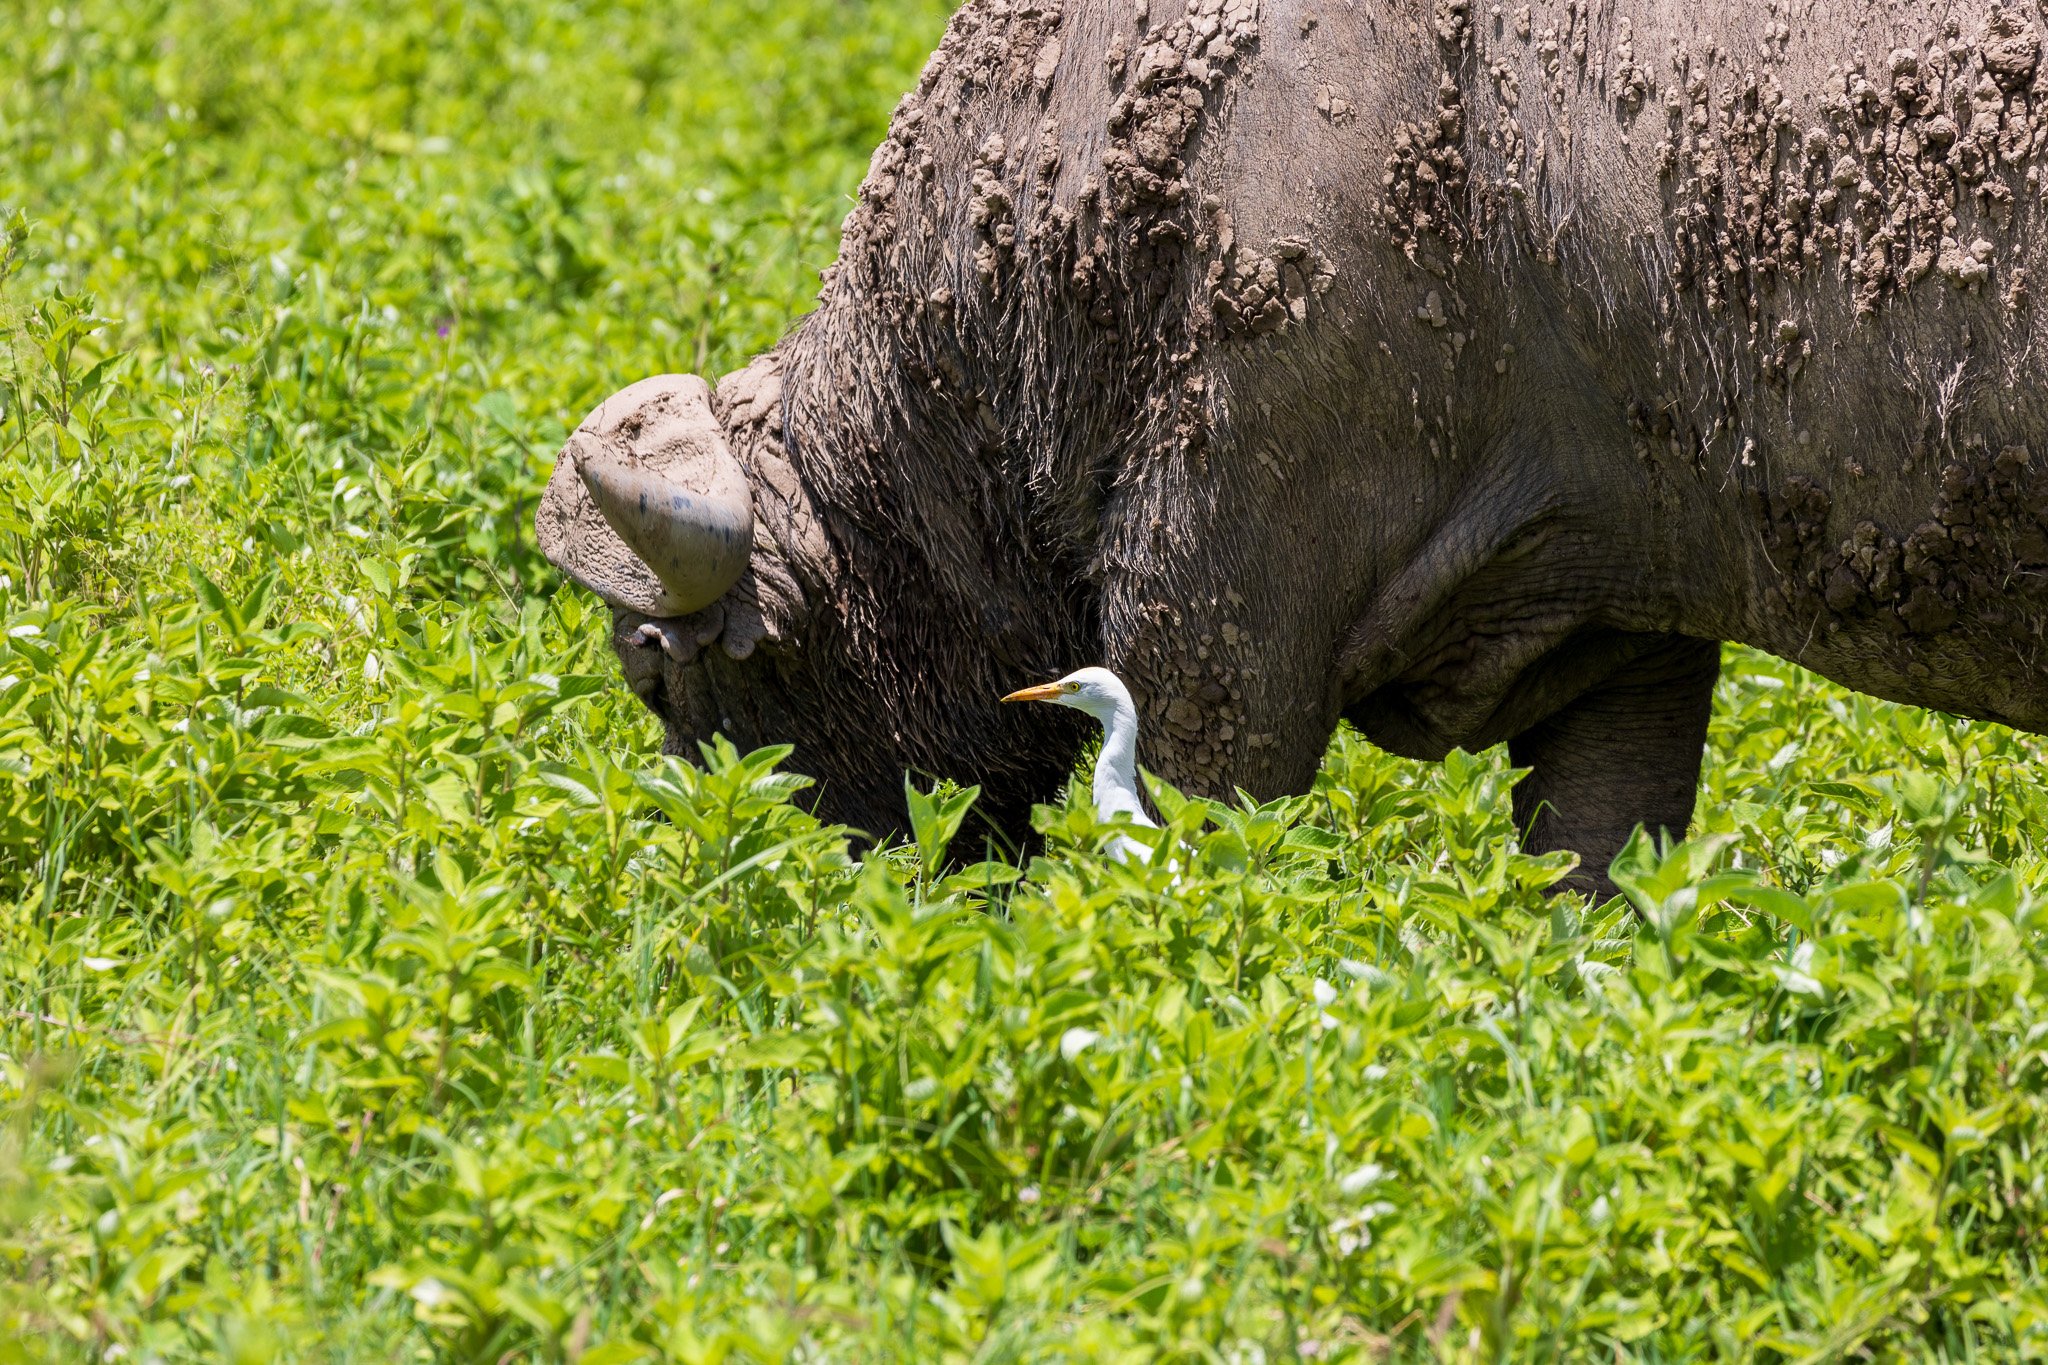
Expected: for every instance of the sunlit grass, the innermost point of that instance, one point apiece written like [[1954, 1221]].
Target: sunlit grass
[[369, 991]]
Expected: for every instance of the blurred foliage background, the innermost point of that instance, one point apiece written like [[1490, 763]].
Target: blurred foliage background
[[368, 990]]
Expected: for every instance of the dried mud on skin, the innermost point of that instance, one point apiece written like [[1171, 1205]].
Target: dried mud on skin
[[1905, 174], [1913, 174], [1425, 181], [1915, 169], [1113, 280]]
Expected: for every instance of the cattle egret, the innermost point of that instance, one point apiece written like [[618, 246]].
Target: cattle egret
[[1102, 695]]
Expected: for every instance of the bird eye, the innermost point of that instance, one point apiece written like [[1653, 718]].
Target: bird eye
[[1070, 687]]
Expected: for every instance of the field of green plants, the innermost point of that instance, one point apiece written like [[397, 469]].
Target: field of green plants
[[369, 990]]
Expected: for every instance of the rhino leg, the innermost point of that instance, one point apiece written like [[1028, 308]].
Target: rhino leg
[[1625, 753]]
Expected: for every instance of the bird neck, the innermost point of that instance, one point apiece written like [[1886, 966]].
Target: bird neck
[[1116, 768]]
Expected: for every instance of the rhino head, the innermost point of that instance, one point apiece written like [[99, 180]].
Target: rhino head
[[741, 606]]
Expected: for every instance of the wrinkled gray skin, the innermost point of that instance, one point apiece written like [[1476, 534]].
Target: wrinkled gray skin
[[1465, 373]]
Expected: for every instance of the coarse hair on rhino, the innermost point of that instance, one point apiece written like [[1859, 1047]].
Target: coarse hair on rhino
[[1466, 373]]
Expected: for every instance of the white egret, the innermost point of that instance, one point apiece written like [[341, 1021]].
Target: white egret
[[1102, 695]]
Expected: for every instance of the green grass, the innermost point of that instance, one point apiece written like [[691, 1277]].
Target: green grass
[[368, 990]]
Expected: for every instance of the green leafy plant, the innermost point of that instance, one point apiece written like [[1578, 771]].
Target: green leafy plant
[[370, 988]]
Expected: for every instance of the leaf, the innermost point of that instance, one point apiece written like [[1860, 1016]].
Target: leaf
[[1781, 904], [610, 1069], [579, 784], [496, 408], [935, 818], [616, 1353], [773, 1051], [209, 593]]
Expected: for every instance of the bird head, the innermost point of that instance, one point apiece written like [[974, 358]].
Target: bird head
[[1096, 691]]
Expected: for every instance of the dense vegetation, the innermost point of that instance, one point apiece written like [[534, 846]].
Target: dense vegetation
[[367, 991]]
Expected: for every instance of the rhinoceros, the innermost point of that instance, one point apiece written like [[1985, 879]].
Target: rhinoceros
[[1468, 373]]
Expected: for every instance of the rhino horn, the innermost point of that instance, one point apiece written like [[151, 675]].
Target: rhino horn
[[648, 508]]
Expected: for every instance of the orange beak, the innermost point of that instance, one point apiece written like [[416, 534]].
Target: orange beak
[[1042, 692]]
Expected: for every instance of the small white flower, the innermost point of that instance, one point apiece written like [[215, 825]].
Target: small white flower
[[1076, 1041], [431, 1293], [1324, 993], [1028, 1195], [352, 607], [1354, 1233], [1363, 1179]]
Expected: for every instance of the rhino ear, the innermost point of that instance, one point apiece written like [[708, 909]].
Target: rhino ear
[[647, 507]]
